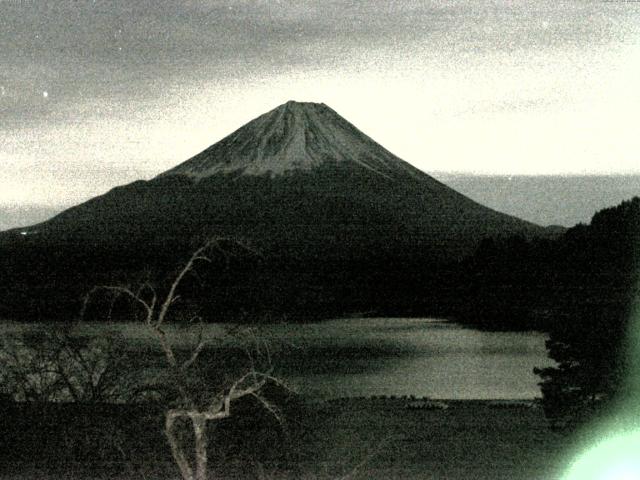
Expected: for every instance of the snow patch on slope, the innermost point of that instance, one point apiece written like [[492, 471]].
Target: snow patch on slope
[[293, 136]]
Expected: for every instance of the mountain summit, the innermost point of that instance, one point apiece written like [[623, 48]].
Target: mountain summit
[[294, 136]]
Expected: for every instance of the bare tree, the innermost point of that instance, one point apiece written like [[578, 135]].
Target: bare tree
[[60, 365], [218, 404]]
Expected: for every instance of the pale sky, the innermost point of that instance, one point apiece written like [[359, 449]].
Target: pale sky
[[95, 94]]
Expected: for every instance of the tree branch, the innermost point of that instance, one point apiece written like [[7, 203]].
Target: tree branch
[[170, 298], [149, 307], [199, 346]]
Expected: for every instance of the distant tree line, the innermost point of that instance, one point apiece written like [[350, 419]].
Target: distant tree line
[[45, 280]]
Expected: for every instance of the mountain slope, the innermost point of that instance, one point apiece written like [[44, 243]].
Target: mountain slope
[[299, 167], [339, 221]]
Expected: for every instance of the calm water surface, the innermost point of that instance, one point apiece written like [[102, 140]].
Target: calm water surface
[[381, 356], [419, 357]]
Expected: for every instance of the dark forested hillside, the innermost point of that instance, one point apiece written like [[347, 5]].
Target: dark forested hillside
[[520, 283], [589, 339], [580, 288]]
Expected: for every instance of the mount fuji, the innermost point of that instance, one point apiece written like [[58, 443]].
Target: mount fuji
[[333, 213]]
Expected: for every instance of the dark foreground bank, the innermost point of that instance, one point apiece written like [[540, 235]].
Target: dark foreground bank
[[353, 438]]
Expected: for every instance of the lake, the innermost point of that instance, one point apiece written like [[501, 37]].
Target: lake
[[421, 357], [379, 356]]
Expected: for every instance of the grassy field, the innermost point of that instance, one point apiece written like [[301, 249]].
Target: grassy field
[[374, 439], [468, 440]]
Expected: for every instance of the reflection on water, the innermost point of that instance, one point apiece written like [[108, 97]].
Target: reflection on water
[[422, 357]]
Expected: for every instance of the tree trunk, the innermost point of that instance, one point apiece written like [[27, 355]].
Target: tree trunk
[[176, 450], [201, 441]]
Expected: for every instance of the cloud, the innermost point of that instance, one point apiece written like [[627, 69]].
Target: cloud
[[148, 83]]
